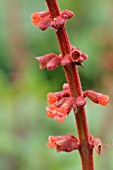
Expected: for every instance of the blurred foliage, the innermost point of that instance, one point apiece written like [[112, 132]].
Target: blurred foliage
[[24, 127]]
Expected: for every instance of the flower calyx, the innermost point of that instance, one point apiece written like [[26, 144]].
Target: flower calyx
[[44, 20], [96, 143], [75, 56], [66, 143], [97, 97], [51, 61]]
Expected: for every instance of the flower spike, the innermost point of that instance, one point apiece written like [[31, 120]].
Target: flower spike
[[43, 19], [72, 95]]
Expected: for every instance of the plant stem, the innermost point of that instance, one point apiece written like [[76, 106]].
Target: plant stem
[[71, 71]]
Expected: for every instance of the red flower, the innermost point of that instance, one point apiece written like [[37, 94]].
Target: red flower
[[47, 58], [60, 114], [97, 97], [41, 19], [65, 143]]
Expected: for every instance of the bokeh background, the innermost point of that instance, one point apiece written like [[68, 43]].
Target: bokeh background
[[24, 127]]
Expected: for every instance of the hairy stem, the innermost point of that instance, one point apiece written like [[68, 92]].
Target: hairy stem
[[73, 79]]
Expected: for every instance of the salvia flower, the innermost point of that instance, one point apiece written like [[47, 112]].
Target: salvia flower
[[48, 60], [60, 114], [41, 19], [66, 143], [53, 63], [97, 97], [59, 108], [63, 110]]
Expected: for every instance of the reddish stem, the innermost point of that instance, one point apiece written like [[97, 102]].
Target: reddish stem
[[71, 71]]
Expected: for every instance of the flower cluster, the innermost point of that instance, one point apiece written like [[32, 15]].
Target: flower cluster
[[66, 143], [52, 61], [61, 104], [43, 19]]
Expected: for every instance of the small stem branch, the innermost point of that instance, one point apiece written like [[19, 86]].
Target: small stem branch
[[73, 79]]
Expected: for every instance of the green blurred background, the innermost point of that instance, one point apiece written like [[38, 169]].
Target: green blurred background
[[24, 127]]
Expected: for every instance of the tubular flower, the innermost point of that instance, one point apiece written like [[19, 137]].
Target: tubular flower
[[41, 19], [66, 143], [59, 114], [51, 61], [59, 110], [97, 97]]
